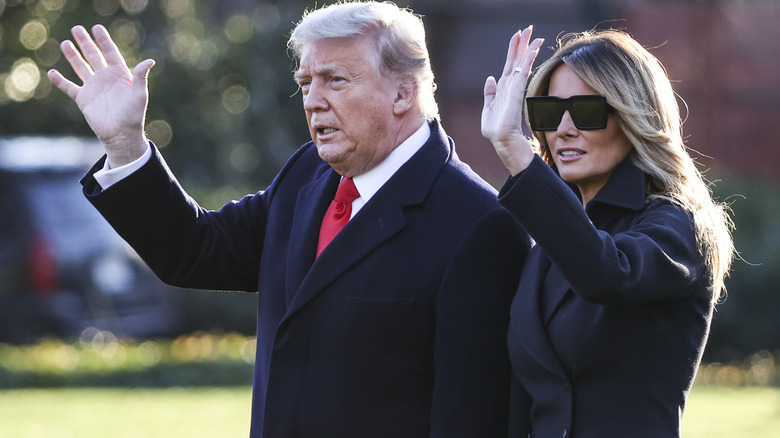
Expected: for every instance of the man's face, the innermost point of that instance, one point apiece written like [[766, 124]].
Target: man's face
[[349, 108]]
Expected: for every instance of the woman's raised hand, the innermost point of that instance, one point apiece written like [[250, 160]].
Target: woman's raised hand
[[502, 113], [112, 98]]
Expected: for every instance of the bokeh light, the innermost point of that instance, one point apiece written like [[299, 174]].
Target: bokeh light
[[160, 132], [235, 99], [244, 158], [33, 34], [106, 8], [239, 28], [24, 78], [133, 7], [177, 8], [48, 53], [53, 5], [126, 32]]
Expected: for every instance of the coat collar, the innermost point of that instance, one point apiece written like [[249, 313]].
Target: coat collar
[[381, 218], [624, 188]]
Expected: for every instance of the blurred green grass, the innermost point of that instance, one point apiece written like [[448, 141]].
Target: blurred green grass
[[125, 413], [713, 412], [723, 412]]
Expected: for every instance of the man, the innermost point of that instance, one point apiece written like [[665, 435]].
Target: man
[[396, 327]]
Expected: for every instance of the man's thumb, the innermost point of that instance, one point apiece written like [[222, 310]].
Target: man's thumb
[[141, 72]]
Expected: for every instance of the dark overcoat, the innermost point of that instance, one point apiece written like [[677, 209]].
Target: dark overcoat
[[612, 311], [398, 329]]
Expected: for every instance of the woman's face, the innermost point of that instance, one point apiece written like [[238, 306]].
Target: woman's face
[[584, 158]]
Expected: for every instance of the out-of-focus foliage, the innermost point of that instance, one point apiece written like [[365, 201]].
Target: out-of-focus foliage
[[758, 369], [747, 321], [223, 104], [98, 358]]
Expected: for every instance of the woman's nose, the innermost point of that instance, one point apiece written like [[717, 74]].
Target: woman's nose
[[566, 126]]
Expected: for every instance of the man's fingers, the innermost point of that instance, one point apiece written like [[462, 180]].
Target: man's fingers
[[79, 65], [110, 50], [89, 49], [59, 81], [141, 73]]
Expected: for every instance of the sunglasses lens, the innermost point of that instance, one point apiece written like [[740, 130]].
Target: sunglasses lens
[[589, 114], [546, 115]]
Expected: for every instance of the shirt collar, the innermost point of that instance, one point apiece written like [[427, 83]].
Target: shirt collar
[[370, 182]]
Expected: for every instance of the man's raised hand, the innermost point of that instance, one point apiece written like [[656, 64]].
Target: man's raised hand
[[112, 98]]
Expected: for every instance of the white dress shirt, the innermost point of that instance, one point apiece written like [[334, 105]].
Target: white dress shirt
[[370, 182]]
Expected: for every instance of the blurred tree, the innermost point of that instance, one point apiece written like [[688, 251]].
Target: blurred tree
[[223, 103], [747, 320]]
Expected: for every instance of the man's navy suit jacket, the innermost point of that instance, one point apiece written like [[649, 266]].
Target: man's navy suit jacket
[[398, 329]]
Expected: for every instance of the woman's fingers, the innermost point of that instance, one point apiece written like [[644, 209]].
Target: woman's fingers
[[511, 54], [522, 48], [489, 92], [531, 52]]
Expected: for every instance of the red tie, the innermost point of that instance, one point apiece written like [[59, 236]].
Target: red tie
[[338, 213]]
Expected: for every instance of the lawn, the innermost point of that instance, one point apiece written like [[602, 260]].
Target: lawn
[[125, 413], [713, 412], [718, 412]]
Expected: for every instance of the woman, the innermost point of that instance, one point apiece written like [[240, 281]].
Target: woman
[[614, 304]]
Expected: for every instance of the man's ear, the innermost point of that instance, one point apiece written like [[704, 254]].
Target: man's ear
[[406, 96]]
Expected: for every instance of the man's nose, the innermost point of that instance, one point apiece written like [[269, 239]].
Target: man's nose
[[314, 99]]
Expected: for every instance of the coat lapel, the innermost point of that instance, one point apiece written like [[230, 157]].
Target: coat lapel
[[378, 221], [363, 234], [313, 200], [554, 290], [527, 315]]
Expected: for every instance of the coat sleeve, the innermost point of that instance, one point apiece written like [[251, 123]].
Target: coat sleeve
[[183, 243], [656, 258], [471, 364]]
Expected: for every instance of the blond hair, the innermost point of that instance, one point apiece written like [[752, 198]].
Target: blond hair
[[636, 85]]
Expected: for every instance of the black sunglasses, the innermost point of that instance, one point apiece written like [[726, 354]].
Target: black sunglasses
[[587, 112]]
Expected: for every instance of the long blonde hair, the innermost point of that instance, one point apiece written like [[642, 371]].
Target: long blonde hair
[[636, 85]]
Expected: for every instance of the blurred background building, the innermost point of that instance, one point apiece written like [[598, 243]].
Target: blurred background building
[[225, 112]]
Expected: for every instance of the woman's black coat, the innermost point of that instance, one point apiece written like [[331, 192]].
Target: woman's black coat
[[612, 311]]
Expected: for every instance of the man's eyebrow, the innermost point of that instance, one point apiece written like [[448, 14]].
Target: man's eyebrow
[[324, 70]]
